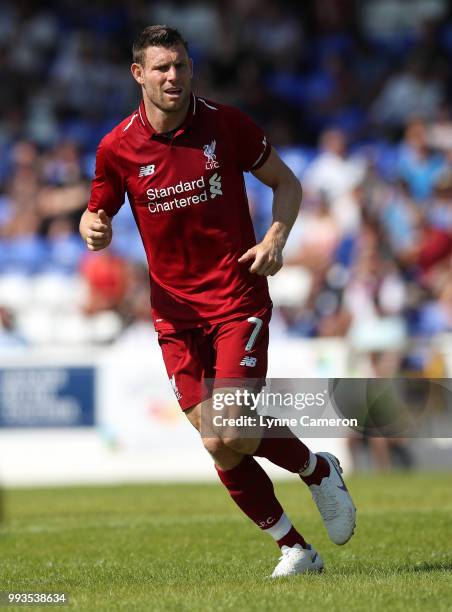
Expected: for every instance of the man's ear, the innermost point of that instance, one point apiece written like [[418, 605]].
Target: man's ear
[[137, 73]]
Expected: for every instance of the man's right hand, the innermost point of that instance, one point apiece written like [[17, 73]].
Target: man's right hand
[[96, 230]]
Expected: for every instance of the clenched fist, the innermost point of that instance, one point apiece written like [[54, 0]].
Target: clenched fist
[[96, 230]]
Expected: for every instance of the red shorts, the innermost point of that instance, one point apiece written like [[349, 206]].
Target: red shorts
[[232, 350]]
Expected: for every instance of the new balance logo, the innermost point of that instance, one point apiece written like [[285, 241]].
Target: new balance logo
[[215, 185], [146, 170], [177, 393], [249, 361]]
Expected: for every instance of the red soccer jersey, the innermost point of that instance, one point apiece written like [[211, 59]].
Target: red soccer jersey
[[188, 198]]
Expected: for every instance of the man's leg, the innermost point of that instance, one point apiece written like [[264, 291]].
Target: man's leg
[[321, 471], [248, 485]]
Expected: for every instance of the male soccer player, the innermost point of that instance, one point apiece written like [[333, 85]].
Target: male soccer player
[[181, 159]]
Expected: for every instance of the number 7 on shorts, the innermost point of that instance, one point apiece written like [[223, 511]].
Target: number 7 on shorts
[[257, 327]]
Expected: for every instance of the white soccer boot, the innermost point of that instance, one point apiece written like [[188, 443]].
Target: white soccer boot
[[335, 503], [297, 560]]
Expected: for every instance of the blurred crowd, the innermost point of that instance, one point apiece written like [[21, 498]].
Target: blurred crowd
[[356, 96]]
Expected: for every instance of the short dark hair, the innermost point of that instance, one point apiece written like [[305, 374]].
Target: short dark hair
[[156, 36]]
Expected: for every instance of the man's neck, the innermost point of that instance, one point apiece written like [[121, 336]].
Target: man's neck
[[164, 122]]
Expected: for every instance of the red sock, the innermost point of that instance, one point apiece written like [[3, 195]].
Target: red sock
[[286, 450], [252, 490], [322, 469], [292, 538]]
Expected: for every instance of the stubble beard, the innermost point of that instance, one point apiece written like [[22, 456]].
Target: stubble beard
[[169, 109]]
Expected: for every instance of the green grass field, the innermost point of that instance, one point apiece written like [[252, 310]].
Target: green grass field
[[187, 547]]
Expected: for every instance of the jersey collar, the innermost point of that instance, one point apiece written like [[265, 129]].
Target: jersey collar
[[189, 117]]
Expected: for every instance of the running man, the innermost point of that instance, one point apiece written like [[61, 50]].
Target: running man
[[180, 159]]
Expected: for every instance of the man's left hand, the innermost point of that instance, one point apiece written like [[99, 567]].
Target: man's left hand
[[266, 256]]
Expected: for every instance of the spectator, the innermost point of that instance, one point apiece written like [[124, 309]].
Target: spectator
[[414, 91], [418, 165], [333, 172]]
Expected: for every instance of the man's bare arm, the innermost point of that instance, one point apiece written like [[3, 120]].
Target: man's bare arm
[[267, 255], [96, 230]]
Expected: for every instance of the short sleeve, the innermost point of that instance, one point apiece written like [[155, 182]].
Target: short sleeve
[[107, 187], [251, 145]]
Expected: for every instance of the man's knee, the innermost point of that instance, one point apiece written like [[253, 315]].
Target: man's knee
[[225, 458], [225, 441], [214, 446], [236, 442]]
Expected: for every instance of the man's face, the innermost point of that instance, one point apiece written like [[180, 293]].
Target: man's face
[[165, 77]]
